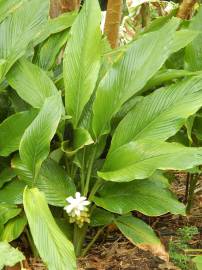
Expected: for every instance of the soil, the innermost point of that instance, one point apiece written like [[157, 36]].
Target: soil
[[113, 252]]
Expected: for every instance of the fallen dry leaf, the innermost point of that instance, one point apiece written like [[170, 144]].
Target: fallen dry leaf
[[157, 250]]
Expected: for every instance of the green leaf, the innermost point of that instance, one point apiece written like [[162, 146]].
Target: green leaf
[[6, 175], [55, 25], [159, 22], [141, 235], [54, 248], [9, 6], [189, 126], [13, 229], [136, 230], [9, 256], [35, 143], [164, 178], [198, 261], [52, 180], [19, 29], [12, 129], [100, 217], [55, 183], [21, 170], [161, 114], [82, 59], [125, 108], [130, 74], [167, 75], [193, 52], [151, 198], [140, 159], [47, 54], [66, 227], [182, 39], [8, 211], [17, 103], [81, 138], [31, 83], [12, 192]]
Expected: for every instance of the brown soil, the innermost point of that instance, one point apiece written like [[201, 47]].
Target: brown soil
[[113, 252]]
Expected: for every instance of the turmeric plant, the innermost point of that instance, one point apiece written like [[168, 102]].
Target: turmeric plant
[[85, 142]]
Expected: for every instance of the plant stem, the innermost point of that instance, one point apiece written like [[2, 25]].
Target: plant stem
[[88, 247], [31, 243], [90, 167], [67, 164], [79, 235], [193, 182], [97, 185], [83, 171], [187, 187], [192, 250]]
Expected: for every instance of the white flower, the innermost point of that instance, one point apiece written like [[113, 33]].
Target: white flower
[[77, 209]]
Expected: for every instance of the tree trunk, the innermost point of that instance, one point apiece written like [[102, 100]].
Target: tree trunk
[[55, 9], [185, 9], [70, 5], [112, 22], [145, 12], [58, 7]]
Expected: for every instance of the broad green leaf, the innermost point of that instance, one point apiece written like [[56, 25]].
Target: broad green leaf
[[81, 138], [9, 256], [6, 175], [35, 143], [141, 235], [159, 22], [55, 183], [182, 39], [130, 74], [82, 59], [193, 52], [151, 198], [55, 249], [140, 159], [52, 180], [12, 192], [176, 60], [198, 261], [56, 155], [100, 217], [12, 129], [8, 211], [21, 170], [9, 6], [125, 108], [167, 75], [66, 227], [13, 229], [47, 53], [19, 29], [136, 230], [55, 25], [17, 103], [164, 178], [160, 114], [31, 83]]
